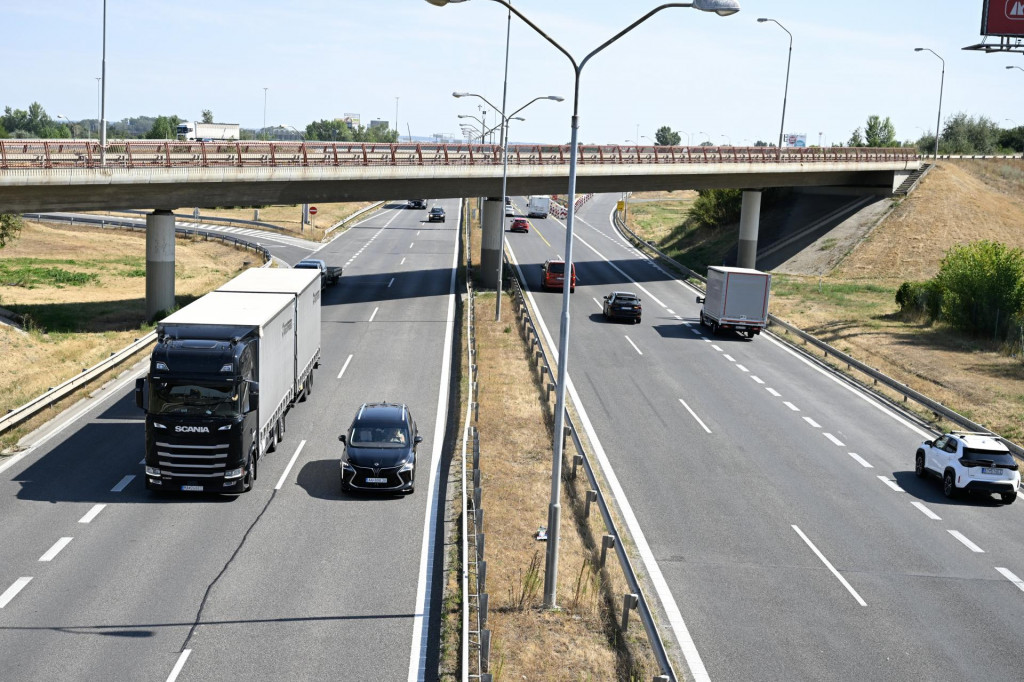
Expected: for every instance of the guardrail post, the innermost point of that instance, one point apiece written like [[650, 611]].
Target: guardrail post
[[591, 497], [607, 542], [629, 601], [476, 456], [476, 478], [481, 576], [660, 678], [577, 461], [479, 518], [478, 493], [485, 649], [482, 609]]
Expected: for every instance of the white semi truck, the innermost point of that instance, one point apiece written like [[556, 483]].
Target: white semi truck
[[537, 206], [224, 372], [197, 131], [737, 299]]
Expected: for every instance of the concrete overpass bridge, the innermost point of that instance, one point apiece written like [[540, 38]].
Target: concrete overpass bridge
[[164, 175]]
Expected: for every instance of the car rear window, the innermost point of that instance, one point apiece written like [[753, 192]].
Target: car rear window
[[557, 268], [625, 299], [996, 457]]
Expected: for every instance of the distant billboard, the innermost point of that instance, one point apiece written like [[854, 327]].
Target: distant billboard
[[794, 140], [351, 120], [378, 124], [1002, 18]]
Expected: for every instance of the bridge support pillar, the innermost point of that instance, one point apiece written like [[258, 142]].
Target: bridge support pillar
[[493, 222], [159, 262], [750, 219]]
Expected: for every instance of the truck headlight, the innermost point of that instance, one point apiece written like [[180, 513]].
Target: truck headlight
[[233, 473], [153, 471]]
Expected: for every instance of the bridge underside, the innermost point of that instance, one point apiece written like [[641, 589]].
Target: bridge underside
[[174, 188]]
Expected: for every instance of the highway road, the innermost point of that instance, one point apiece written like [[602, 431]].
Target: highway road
[[101, 580], [774, 506]]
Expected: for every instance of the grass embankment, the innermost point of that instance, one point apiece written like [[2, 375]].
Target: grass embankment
[[82, 294], [853, 307], [581, 640]]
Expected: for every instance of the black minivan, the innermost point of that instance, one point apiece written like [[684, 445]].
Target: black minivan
[[380, 449]]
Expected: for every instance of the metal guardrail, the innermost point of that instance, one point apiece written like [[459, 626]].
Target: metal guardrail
[[85, 154], [876, 376], [36, 405], [636, 599]]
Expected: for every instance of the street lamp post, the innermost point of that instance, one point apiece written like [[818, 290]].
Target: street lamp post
[[1016, 67], [785, 93], [70, 124], [504, 178], [942, 83], [396, 121], [263, 130], [98, 79], [721, 7], [729, 143], [103, 90]]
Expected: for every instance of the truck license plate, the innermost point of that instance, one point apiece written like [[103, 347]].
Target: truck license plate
[[371, 479], [192, 488]]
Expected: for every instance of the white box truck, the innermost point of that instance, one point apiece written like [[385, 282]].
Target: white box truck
[[736, 298], [538, 206], [208, 132], [304, 286], [221, 378]]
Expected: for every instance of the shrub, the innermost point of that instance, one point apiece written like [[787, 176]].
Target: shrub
[[982, 287], [920, 298]]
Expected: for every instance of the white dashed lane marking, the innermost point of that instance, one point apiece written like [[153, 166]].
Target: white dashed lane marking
[[834, 439], [55, 550], [863, 462], [926, 511], [967, 543], [123, 483], [892, 484], [1008, 574], [812, 422], [694, 415], [12, 591], [791, 406], [92, 513]]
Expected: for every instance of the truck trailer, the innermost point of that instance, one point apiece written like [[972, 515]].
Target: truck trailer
[[208, 132], [736, 298], [537, 206], [222, 376]]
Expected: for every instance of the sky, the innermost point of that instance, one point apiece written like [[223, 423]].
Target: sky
[[720, 79]]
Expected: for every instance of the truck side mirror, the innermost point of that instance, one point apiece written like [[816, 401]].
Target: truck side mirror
[[342, 438], [254, 396], [140, 393], [700, 299]]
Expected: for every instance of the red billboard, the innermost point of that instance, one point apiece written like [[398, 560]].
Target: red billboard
[[1003, 18]]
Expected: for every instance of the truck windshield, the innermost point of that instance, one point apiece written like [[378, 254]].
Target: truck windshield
[[212, 399]]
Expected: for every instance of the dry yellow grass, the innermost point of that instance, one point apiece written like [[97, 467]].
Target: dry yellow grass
[[114, 304]]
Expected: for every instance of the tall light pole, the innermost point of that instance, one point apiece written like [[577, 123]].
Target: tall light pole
[[721, 7], [98, 79], [396, 120], [785, 92], [263, 130], [942, 83], [1015, 67], [729, 144], [504, 179], [70, 124], [103, 95], [704, 136]]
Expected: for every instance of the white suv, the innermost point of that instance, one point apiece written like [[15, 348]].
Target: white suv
[[969, 461]]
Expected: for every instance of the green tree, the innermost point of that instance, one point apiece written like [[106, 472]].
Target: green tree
[[963, 134], [207, 116], [34, 122], [716, 207], [329, 130], [665, 136], [982, 287], [3, 132], [880, 132], [1012, 139], [164, 128], [10, 228], [856, 139]]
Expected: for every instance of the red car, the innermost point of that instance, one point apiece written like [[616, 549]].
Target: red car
[[520, 225], [553, 276]]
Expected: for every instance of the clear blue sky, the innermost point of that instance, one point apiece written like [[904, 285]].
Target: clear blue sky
[[695, 72]]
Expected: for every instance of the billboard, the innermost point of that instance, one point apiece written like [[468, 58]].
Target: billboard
[[790, 140], [1002, 18]]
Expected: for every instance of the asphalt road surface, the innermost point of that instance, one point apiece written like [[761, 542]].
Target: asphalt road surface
[[101, 580]]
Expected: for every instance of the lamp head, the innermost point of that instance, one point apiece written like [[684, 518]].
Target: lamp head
[[722, 8], [458, 94], [762, 20], [557, 98], [918, 49], [442, 3], [517, 118]]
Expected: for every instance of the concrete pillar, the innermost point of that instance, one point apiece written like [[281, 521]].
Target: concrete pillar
[[159, 262], [491, 242], [750, 219]]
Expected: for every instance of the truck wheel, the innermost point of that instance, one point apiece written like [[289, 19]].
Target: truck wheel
[[949, 485], [703, 320], [274, 437], [247, 481]]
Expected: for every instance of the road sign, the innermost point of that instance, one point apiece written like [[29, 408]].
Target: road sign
[[312, 210]]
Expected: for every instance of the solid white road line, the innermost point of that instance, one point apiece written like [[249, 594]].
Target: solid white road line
[[374, 314], [421, 619], [291, 463], [92, 513], [176, 670], [812, 422], [773, 391], [967, 543], [12, 591], [345, 366], [863, 462], [830, 567], [634, 346], [1008, 574], [55, 550], [123, 483], [791, 406], [926, 511], [694, 415], [834, 439], [892, 484]]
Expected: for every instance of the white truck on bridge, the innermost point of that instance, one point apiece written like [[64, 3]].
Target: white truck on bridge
[[736, 298], [208, 132]]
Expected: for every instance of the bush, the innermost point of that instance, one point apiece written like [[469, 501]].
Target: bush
[[982, 287], [716, 207], [920, 298]]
